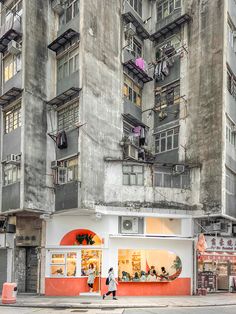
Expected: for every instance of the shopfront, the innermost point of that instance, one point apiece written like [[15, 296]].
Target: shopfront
[[217, 265], [142, 265]]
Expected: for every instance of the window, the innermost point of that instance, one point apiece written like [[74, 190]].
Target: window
[[148, 265], [67, 171], [166, 8], [168, 96], [133, 175], [11, 174], [136, 5], [68, 64], [14, 9], [12, 118], [132, 91], [136, 48], [168, 180], [167, 140], [230, 133], [230, 182], [71, 11], [231, 83], [68, 117], [11, 66], [63, 264], [231, 36]]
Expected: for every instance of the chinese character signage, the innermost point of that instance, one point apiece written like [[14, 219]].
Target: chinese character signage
[[220, 244]]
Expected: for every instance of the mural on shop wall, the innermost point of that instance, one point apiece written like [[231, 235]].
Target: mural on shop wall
[[148, 265], [81, 237]]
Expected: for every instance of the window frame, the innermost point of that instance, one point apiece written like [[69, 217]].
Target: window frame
[[132, 91], [164, 138], [11, 65], [63, 62], [74, 6], [166, 8], [162, 96], [133, 174], [65, 253], [9, 173], [61, 179], [137, 5], [172, 186], [68, 116], [12, 118]]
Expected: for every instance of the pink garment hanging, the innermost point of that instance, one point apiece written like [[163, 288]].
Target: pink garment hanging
[[140, 63]]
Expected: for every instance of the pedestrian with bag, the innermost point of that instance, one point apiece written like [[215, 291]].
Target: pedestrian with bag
[[91, 277], [112, 284]]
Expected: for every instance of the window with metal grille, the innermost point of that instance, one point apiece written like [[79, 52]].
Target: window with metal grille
[[68, 64], [132, 91], [136, 5], [11, 66], [11, 174], [165, 8], [12, 118], [13, 9], [167, 140], [68, 116], [168, 180], [133, 175], [168, 96]]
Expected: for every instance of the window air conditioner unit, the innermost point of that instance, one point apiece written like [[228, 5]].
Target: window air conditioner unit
[[178, 169], [130, 30], [226, 229], [13, 159], [129, 225], [216, 226], [57, 7], [13, 47], [131, 152]]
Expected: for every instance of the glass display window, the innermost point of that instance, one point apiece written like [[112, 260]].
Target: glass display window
[[90, 257], [63, 264], [148, 265]]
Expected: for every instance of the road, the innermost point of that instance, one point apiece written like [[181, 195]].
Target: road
[[202, 310]]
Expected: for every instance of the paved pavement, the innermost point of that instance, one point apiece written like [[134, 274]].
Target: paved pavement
[[124, 302]]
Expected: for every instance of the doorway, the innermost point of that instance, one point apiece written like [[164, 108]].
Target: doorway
[[26, 269], [91, 256]]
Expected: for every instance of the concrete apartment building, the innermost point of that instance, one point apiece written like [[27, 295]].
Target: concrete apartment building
[[117, 144]]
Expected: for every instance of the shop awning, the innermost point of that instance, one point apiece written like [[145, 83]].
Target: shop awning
[[137, 71], [65, 97], [10, 96], [63, 39], [140, 30], [134, 121], [170, 27]]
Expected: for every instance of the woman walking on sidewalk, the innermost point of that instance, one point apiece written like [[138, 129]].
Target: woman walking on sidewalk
[[112, 286]]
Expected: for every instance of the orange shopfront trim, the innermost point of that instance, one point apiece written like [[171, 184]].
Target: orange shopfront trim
[[74, 286]]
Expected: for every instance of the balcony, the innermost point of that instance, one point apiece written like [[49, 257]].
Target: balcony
[[167, 25], [63, 39], [11, 30], [131, 16]]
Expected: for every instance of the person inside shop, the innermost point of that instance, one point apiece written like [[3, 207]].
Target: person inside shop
[[91, 277], [136, 277], [164, 274], [112, 284], [143, 276], [125, 276], [152, 275]]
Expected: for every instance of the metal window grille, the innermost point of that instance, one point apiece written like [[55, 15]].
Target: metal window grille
[[12, 118], [68, 117]]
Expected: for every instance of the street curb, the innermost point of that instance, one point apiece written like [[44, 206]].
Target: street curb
[[113, 306]]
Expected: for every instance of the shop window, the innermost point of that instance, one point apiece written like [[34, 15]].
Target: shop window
[[68, 117], [167, 140], [167, 226], [169, 180], [165, 8], [168, 96], [133, 175], [68, 64], [132, 91], [67, 171], [63, 264], [12, 118], [136, 5], [71, 11], [11, 66], [11, 174], [148, 265], [90, 257]]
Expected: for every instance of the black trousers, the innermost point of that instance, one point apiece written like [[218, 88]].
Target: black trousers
[[90, 285], [113, 293]]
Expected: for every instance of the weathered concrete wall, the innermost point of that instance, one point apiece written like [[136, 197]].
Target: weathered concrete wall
[[101, 101], [205, 77], [35, 54]]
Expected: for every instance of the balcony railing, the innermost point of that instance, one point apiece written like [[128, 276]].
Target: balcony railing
[[169, 19]]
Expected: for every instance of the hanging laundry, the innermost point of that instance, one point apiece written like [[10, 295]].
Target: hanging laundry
[[165, 69], [140, 63], [137, 131], [61, 140]]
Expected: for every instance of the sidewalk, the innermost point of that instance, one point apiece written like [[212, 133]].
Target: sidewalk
[[219, 299]]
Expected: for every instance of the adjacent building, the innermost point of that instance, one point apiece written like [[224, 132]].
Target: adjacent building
[[117, 144]]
